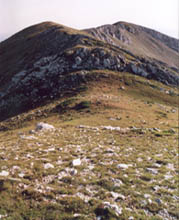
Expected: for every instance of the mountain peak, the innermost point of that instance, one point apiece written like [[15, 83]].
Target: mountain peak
[[140, 41]]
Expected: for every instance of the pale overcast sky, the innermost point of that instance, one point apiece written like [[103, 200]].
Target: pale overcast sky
[[161, 15]]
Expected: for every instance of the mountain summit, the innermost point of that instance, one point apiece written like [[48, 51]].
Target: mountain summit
[[48, 60], [140, 41]]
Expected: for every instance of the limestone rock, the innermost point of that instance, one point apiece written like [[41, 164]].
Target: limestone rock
[[123, 166], [4, 173], [48, 166], [41, 126], [76, 162]]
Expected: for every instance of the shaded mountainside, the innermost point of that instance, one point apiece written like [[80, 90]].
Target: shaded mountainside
[[140, 41], [47, 61]]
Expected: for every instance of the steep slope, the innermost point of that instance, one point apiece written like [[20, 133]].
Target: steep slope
[[140, 41], [48, 61]]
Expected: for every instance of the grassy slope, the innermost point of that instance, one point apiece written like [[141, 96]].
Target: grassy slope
[[41, 195]]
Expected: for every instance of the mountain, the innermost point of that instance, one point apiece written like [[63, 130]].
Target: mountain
[[140, 41], [88, 124], [46, 60]]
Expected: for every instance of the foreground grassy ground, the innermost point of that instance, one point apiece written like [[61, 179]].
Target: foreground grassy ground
[[113, 154]]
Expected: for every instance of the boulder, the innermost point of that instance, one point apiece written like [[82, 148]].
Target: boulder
[[41, 126]]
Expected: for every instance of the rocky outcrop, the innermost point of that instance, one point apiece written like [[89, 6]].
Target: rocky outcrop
[[152, 71], [53, 76]]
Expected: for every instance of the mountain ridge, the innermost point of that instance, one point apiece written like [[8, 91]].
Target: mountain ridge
[[41, 61], [139, 40], [158, 35]]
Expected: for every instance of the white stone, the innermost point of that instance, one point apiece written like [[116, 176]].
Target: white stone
[[44, 126], [139, 159], [150, 201], [168, 176], [4, 173], [147, 196], [31, 137], [157, 165], [3, 216], [62, 174], [170, 166], [111, 128], [21, 175], [78, 60], [123, 166], [73, 172], [48, 165], [76, 162], [16, 168], [156, 188], [152, 170], [49, 149], [117, 195]]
